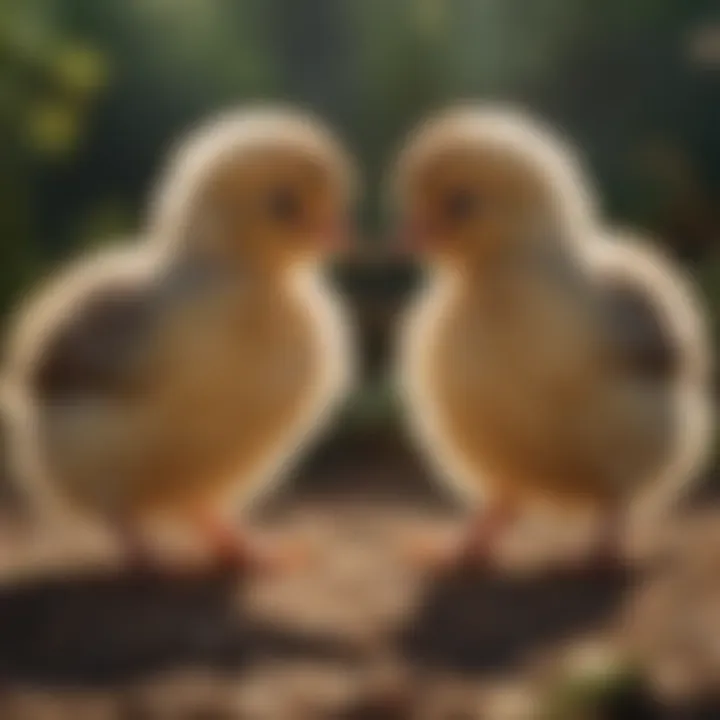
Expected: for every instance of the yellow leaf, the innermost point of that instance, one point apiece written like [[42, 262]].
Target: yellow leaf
[[80, 69], [52, 128]]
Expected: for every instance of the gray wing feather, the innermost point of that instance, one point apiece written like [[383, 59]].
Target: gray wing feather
[[639, 337], [104, 345], [100, 348]]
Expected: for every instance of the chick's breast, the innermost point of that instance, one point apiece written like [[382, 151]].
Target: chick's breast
[[249, 374], [576, 393], [512, 397], [497, 430], [145, 399]]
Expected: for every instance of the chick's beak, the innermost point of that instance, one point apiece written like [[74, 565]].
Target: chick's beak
[[333, 229], [339, 234], [413, 234]]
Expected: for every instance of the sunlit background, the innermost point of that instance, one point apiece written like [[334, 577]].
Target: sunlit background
[[94, 93]]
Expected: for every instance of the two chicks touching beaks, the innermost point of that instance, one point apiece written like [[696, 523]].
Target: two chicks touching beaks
[[546, 358]]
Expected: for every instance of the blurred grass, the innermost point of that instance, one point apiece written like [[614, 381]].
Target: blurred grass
[[615, 693]]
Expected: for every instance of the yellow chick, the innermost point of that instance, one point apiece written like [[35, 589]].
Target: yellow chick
[[177, 374], [547, 358]]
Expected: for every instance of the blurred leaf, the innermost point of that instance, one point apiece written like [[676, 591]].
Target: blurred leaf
[[52, 127], [80, 69], [616, 692]]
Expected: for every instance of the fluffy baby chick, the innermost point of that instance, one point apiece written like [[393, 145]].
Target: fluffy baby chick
[[170, 376], [547, 358]]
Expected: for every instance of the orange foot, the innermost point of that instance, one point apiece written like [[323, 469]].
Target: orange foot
[[475, 549], [233, 550]]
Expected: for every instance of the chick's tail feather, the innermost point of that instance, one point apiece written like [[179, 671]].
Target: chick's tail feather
[[15, 502], [693, 454], [24, 499]]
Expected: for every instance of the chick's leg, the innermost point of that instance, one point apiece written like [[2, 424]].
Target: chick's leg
[[228, 546], [477, 544], [233, 548], [480, 543]]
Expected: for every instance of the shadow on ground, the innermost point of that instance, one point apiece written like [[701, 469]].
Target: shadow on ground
[[476, 622], [95, 630]]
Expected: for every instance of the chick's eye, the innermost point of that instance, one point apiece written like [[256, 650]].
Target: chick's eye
[[284, 204], [460, 204]]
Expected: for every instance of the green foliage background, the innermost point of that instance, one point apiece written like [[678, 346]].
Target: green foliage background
[[93, 93]]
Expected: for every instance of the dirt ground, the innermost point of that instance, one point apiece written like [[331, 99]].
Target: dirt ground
[[364, 631]]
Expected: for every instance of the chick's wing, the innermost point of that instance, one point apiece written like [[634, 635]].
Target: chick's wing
[[100, 349]]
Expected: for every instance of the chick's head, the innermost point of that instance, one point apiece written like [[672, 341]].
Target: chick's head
[[476, 185], [263, 190]]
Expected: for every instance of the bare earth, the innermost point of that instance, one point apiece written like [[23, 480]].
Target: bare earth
[[364, 631]]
